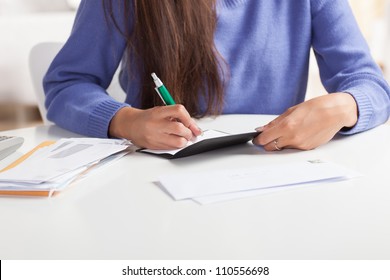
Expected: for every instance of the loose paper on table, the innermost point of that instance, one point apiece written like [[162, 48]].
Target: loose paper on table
[[219, 185]]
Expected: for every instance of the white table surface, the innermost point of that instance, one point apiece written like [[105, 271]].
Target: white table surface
[[119, 213]]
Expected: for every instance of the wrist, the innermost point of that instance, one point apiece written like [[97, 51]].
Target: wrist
[[120, 125], [350, 109]]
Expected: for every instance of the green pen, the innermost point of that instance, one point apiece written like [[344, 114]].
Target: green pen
[[162, 91]]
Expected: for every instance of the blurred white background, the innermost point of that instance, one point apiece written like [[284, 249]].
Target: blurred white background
[[373, 17], [24, 23]]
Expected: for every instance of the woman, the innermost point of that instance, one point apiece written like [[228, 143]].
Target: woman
[[223, 56]]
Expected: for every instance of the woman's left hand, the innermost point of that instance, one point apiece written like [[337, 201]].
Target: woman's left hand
[[309, 124]]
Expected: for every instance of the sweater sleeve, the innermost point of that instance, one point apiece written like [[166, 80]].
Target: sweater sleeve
[[76, 82], [346, 64]]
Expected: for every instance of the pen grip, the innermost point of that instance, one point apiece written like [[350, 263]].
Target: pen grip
[[166, 96]]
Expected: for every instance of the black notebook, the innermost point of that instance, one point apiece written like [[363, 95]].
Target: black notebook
[[210, 140]]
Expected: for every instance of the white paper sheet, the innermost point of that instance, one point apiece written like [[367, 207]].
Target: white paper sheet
[[217, 182], [350, 174], [207, 134]]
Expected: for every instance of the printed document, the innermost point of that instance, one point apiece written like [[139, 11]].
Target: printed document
[[49, 168]]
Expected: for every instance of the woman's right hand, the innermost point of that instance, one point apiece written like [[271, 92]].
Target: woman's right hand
[[166, 127]]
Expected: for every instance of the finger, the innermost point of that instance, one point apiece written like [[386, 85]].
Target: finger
[[268, 125], [171, 141], [177, 111], [166, 142], [275, 145], [180, 113], [268, 135], [195, 129], [178, 129], [278, 119]]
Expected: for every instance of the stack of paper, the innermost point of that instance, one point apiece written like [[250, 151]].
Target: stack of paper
[[51, 168], [220, 185]]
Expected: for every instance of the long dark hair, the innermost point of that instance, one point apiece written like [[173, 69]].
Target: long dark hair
[[175, 39]]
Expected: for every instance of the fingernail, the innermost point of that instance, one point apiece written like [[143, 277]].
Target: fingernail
[[193, 139], [259, 129]]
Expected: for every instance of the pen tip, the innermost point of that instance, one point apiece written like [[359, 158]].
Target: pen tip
[[154, 75]]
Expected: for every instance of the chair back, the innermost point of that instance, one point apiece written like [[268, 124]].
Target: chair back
[[40, 58]]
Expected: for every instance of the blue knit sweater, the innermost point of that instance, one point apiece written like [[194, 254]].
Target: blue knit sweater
[[265, 43]]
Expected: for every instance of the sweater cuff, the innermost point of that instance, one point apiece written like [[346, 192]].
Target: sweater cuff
[[100, 118], [365, 109]]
